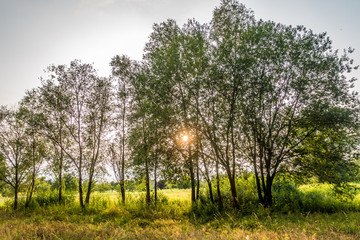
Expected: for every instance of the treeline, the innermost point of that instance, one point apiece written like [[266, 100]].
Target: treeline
[[230, 96]]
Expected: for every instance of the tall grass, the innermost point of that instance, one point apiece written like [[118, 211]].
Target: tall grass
[[173, 217]]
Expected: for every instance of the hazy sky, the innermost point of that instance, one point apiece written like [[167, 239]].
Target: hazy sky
[[37, 33]]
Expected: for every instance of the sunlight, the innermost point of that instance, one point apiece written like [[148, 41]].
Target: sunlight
[[185, 138]]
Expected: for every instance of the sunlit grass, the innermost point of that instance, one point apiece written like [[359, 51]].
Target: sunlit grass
[[172, 218]]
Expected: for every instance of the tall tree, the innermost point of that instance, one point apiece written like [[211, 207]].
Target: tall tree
[[97, 123], [163, 55], [51, 106], [228, 29], [37, 146], [295, 82], [84, 101], [13, 146], [123, 72]]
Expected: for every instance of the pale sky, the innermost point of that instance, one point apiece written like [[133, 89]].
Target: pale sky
[[37, 33]]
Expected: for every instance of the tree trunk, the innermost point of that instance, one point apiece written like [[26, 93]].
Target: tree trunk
[[267, 193], [81, 199], [16, 189], [155, 179], [122, 174], [210, 191], [60, 184], [147, 182], [122, 179], [88, 193], [33, 176], [197, 176], [192, 177], [30, 193], [61, 168], [258, 183], [220, 202], [122, 185], [233, 188]]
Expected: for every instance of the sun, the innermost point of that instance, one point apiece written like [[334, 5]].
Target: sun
[[185, 138]]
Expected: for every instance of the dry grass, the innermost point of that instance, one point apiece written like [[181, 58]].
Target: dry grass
[[159, 229]]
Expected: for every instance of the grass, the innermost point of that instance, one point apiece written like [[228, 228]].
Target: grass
[[172, 218]]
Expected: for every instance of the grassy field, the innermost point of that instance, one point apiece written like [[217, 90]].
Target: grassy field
[[171, 218]]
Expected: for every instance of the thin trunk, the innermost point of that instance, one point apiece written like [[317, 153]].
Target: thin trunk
[[30, 193], [155, 178], [122, 174], [147, 177], [81, 198], [88, 193], [192, 177], [218, 185], [16, 189], [60, 185], [122, 181], [232, 188], [258, 184], [197, 176], [79, 139], [207, 176], [60, 167], [33, 176], [210, 191], [94, 159], [147, 182], [197, 139], [233, 152]]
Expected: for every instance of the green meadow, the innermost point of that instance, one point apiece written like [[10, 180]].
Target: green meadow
[[320, 216]]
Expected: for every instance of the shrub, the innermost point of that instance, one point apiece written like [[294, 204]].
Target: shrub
[[286, 197]]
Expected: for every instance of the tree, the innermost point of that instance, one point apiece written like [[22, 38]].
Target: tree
[[122, 70], [84, 99], [13, 145], [36, 149], [329, 153], [168, 87], [219, 93], [51, 106], [97, 124], [295, 82]]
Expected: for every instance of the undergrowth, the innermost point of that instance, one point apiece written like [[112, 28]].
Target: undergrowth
[[308, 212]]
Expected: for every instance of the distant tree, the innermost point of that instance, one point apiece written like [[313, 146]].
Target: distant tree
[[42, 186], [161, 184], [71, 183]]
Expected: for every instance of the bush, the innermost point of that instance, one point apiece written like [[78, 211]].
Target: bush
[[286, 197]]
